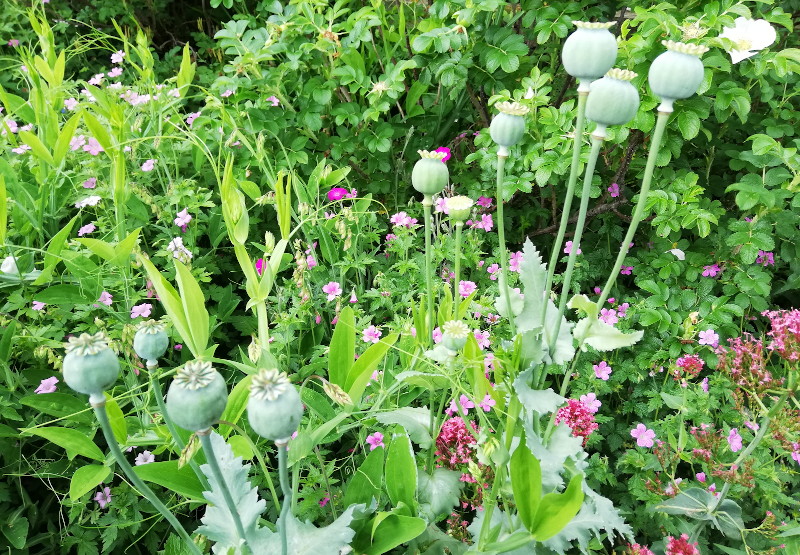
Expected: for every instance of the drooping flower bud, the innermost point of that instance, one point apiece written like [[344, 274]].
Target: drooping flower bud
[[612, 100], [197, 396], [589, 52], [508, 126], [274, 409], [90, 366], [151, 341], [430, 175], [677, 73]]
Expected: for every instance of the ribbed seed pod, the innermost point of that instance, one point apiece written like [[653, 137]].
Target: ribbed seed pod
[[508, 126], [430, 175], [590, 51], [677, 73], [274, 408], [90, 366], [197, 396], [151, 341], [612, 100]]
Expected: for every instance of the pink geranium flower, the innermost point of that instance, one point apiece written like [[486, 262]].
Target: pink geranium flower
[[602, 370], [371, 335], [735, 440], [332, 289], [148, 165], [103, 497], [466, 288], [375, 440], [141, 310], [643, 436], [47, 385], [145, 457]]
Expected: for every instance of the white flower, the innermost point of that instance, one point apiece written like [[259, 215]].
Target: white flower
[[179, 250], [749, 36], [88, 201], [679, 254], [9, 266]]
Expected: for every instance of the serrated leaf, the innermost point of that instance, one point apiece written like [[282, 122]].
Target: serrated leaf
[[306, 539], [415, 421], [561, 446], [542, 402]]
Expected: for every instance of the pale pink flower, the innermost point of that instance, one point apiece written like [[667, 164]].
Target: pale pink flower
[[145, 457], [77, 142], [353, 298], [96, 79], [591, 402], [191, 117], [482, 337], [375, 440], [332, 289], [105, 298], [90, 183], [709, 337], [141, 310], [38, 305], [93, 200], [484, 202], [487, 403], [701, 477], [85, 230], [116, 57], [735, 440], [466, 288], [275, 102], [608, 315], [183, 218], [643, 436], [602, 370], [371, 335], [93, 147], [47, 385], [71, 104], [493, 271], [148, 165], [103, 497], [115, 72], [568, 248]]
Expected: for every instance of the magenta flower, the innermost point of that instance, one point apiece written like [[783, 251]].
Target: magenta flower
[[626, 270], [609, 316], [487, 403], [178, 346], [643, 436], [13, 42], [38, 305], [765, 258], [371, 335], [602, 370], [183, 218], [103, 497], [148, 165], [568, 248], [466, 288], [709, 337], [273, 100], [485, 224], [701, 477], [485, 202], [735, 440], [446, 151], [324, 501], [145, 457], [401, 219], [47, 385], [141, 310], [332, 289], [337, 193], [614, 190], [260, 267], [711, 271], [591, 402], [375, 440]]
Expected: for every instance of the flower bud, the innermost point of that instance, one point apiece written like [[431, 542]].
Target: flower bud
[[589, 52], [612, 100], [90, 366], [150, 341], [430, 175], [197, 396], [459, 207], [677, 73], [508, 126], [269, 242], [274, 409]]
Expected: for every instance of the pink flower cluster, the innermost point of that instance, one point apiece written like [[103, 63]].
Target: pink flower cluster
[[785, 333], [486, 223], [688, 367], [455, 445], [579, 417], [681, 546], [746, 364], [401, 219]]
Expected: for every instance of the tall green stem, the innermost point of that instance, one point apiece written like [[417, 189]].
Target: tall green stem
[[501, 234], [459, 226], [577, 145], [427, 202], [99, 405], [597, 142], [655, 145], [283, 469], [205, 441], [263, 324]]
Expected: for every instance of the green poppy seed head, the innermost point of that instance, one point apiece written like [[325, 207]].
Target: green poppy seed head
[[269, 384], [432, 154], [151, 327], [87, 344], [512, 108], [684, 48], [194, 375], [594, 24], [621, 74]]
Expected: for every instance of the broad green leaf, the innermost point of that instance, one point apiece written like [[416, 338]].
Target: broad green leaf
[[172, 304], [122, 251], [526, 483], [367, 481], [167, 474], [73, 441], [439, 493], [557, 509], [194, 306], [415, 420], [186, 71], [343, 347], [37, 147], [15, 529], [100, 248], [59, 405], [602, 336], [51, 258], [86, 478], [117, 420], [62, 294], [64, 137], [401, 471], [361, 372], [393, 531], [693, 502], [237, 403], [728, 518], [97, 129]]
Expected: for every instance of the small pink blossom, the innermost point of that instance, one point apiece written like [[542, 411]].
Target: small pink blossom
[[701, 477], [371, 335], [626, 271], [353, 298], [93, 200], [183, 218], [487, 403], [13, 43], [568, 248], [96, 79], [515, 261], [117, 57], [493, 270], [85, 230], [324, 501], [614, 190], [485, 202], [93, 147], [337, 193], [643, 436], [47, 385], [482, 337], [375, 440], [191, 117], [115, 72], [103, 497], [226, 93], [466, 288], [275, 102], [602, 370], [485, 224], [77, 142], [105, 298], [609, 316], [90, 183], [260, 266], [332, 289], [71, 104], [401, 219], [148, 165], [141, 310], [38, 305], [709, 337], [591, 402], [178, 346], [735, 440], [145, 457]]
